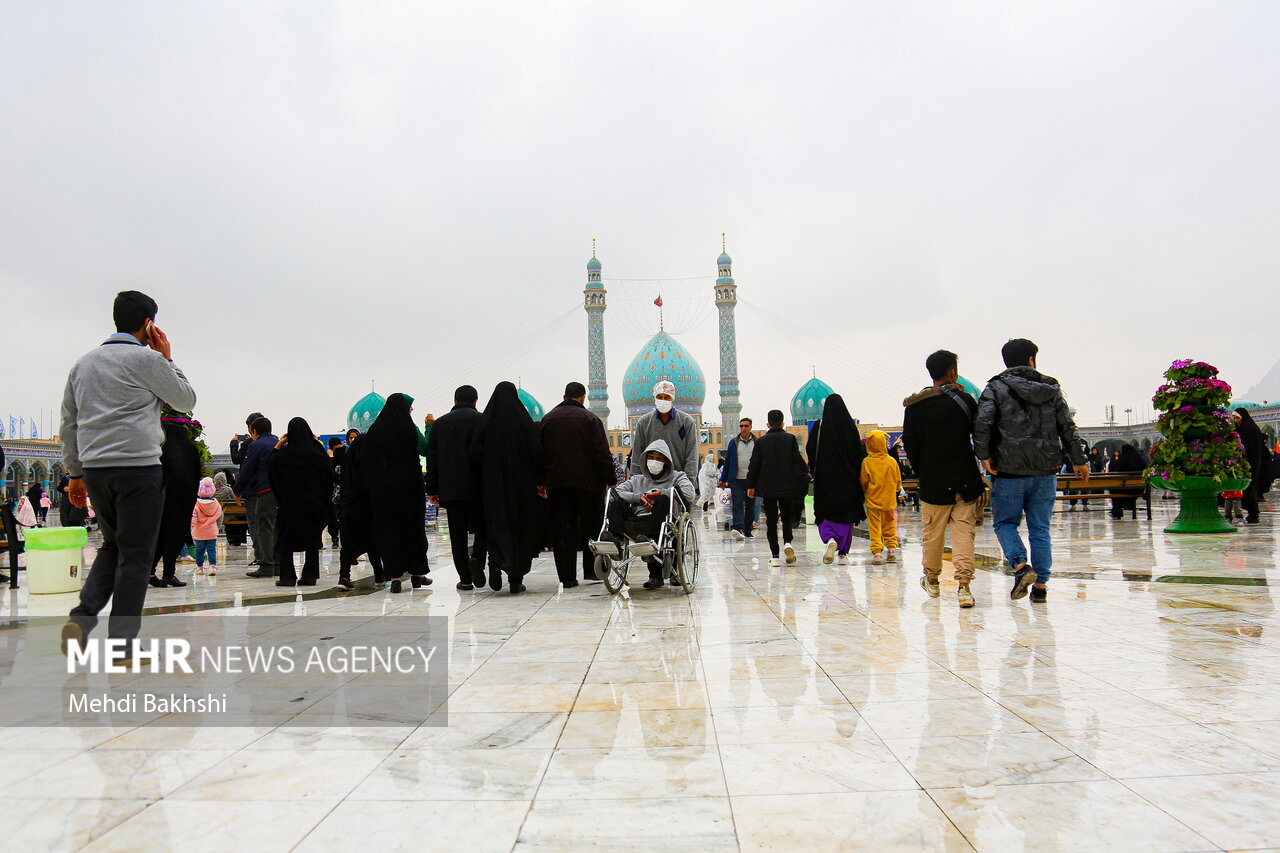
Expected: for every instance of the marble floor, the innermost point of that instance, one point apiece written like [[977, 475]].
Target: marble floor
[[807, 707]]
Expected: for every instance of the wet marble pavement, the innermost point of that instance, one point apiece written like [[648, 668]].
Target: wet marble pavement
[[807, 707]]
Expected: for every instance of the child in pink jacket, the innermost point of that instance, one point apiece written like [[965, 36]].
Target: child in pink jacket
[[204, 526]]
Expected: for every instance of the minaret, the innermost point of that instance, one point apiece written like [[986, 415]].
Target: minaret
[[726, 300], [593, 297]]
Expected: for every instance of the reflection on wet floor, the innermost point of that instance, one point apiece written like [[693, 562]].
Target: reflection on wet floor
[[808, 707]]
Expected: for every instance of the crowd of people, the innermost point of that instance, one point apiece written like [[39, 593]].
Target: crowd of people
[[510, 487]]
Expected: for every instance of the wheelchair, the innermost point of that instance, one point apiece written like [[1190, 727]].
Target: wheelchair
[[676, 548]]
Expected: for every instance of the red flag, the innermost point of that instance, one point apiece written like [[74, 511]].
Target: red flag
[[658, 302]]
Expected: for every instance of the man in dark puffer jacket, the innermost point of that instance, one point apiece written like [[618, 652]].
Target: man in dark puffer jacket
[[1022, 430]]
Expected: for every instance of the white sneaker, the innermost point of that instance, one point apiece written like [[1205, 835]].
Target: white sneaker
[[829, 555], [930, 587], [774, 562], [891, 555], [843, 560], [877, 559], [790, 552], [737, 534], [199, 570], [213, 570]]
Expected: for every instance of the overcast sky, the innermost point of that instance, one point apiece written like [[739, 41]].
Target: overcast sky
[[323, 194]]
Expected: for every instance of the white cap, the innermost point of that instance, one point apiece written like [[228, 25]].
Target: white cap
[[665, 387]]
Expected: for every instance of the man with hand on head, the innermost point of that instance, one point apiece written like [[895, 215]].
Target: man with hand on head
[[111, 437]]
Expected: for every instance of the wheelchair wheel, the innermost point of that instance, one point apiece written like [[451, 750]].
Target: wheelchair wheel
[[686, 568], [614, 574]]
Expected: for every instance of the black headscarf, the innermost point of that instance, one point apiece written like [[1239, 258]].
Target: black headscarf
[[835, 452], [302, 482], [508, 454], [1130, 461], [392, 473]]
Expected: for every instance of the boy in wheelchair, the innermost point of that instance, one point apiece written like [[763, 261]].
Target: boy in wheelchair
[[644, 502]]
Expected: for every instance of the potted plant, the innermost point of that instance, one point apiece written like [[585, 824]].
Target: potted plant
[[1200, 455]]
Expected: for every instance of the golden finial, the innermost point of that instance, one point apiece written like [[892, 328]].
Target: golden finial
[[373, 386], [593, 247], [722, 242]]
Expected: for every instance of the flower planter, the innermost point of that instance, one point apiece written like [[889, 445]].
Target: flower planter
[[1198, 508]]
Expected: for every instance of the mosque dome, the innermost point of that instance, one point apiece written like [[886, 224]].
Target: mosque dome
[[807, 403], [969, 387], [531, 404], [724, 260], [365, 410], [1244, 404], [663, 357], [593, 264]]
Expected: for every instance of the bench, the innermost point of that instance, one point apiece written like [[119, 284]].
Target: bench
[[1070, 488], [235, 515]]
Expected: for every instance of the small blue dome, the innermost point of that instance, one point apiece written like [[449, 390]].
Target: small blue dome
[[807, 403], [663, 358], [1244, 404], [724, 260], [365, 411], [593, 264], [531, 404]]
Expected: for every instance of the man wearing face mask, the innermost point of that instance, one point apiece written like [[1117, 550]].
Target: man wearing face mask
[[678, 429], [644, 501]]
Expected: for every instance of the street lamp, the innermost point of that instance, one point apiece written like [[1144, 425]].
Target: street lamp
[[1128, 421]]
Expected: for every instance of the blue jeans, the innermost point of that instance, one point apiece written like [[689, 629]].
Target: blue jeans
[[206, 546], [1010, 499], [744, 508]]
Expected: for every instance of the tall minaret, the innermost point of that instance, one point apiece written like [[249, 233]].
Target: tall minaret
[[726, 300], [594, 301]]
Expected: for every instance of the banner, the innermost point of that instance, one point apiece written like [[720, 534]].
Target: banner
[[35, 431]]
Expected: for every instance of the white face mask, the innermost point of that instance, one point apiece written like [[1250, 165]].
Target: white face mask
[[662, 406], [656, 465]]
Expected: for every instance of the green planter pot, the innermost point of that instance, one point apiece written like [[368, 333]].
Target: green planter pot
[[1198, 510]]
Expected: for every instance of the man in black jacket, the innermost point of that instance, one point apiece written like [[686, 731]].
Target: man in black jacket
[[453, 484], [1022, 429], [773, 474], [937, 432], [239, 444], [578, 469]]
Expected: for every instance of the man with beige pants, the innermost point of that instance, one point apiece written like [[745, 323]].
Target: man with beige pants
[[937, 432]]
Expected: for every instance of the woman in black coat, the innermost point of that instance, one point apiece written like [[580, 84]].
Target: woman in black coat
[[1130, 461], [508, 454], [302, 481], [391, 471], [180, 464]]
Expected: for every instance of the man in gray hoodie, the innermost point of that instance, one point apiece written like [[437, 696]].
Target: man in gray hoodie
[[1022, 430], [111, 437], [645, 501]]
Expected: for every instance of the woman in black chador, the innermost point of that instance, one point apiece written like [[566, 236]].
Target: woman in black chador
[[355, 519], [1130, 461], [1259, 457], [835, 452], [302, 481], [180, 462], [392, 473], [508, 454]]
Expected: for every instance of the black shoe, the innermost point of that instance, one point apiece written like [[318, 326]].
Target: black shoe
[[395, 585], [674, 581], [1251, 520], [569, 584], [1039, 594], [345, 584], [495, 579], [1023, 578], [419, 581], [590, 579], [517, 587], [478, 578], [259, 573], [173, 582], [463, 585], [155, 581], [254, 563], [283, 582], [653, 583], [307, 582]]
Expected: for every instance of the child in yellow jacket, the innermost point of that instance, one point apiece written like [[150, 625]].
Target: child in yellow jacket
[[881, 481]]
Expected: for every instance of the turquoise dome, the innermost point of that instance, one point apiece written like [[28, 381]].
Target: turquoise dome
[[969, 387], [724, 260], [531, 404], [593, 264], [364, 412], [1244, 404], [663, 358], [807, 403]]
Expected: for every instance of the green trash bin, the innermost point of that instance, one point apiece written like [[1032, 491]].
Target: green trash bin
[[54, 559]]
